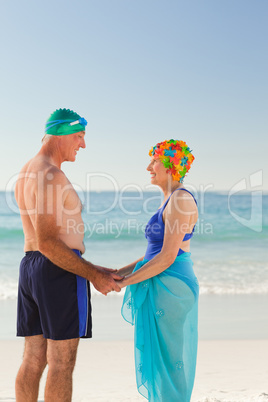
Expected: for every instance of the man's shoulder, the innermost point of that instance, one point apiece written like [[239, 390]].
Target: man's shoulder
[[39, 172], [50, 173], [55, 175], [25, 167]]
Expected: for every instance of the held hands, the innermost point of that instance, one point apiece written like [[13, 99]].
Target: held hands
[[107, 280], [122, 283]]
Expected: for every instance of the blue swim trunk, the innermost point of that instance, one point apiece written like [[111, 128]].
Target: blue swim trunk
[[51, 301]]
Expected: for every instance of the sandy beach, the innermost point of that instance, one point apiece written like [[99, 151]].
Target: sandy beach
[[232, 363], [230, 371]]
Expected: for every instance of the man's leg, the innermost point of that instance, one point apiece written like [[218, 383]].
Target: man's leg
[[61, 357], [31, 369]]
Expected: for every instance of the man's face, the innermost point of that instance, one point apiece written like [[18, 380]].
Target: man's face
[[72, 144]]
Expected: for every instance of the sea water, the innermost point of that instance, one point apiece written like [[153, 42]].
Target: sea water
[[229, 247]]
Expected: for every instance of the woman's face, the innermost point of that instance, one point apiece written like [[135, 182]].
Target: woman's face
[[158, 172]]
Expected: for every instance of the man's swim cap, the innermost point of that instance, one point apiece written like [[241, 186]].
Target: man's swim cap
[[64, 122]]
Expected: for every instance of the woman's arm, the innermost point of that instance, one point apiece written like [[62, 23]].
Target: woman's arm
[[178, 214], [128, 268]]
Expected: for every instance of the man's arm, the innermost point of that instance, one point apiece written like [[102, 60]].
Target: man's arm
[[49, 206]]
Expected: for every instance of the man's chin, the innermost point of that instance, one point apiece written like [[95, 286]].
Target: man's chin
[[73, 159]]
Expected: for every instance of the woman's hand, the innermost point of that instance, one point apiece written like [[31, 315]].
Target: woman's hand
[[121, 271], [121, 283], [128, 269]]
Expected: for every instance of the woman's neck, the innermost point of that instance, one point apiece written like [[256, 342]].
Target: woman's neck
[[170, 187]]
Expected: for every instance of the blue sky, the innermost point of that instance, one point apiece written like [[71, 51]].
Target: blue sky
[[140, 71]]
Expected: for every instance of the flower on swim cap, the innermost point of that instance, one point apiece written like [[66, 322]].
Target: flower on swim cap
[[64, 122], [175, 155]]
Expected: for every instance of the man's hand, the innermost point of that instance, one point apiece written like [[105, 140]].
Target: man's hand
[[105, 281]]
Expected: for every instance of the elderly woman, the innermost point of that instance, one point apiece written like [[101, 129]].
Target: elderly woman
[[161, 297]]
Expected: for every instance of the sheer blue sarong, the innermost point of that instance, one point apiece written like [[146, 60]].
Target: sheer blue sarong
[[164, 310]]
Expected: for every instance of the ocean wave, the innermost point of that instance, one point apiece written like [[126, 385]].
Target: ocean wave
[[9, 289], [256, 398], [113, 235], [133, 230], [257, 289], [11, 234]]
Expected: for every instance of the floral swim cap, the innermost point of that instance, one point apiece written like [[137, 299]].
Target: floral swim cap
[[175, 155]]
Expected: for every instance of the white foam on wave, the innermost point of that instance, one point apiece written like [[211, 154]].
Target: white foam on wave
[[8, 288], [254, 289], [256, 398], [232, 277]]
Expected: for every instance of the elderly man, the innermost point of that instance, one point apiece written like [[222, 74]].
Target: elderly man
[[54, 308]]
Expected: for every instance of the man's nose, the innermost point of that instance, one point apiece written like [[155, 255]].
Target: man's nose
[[83, 144]]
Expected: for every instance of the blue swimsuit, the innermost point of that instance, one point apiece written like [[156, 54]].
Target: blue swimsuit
[[164, 310], [155, 230]]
